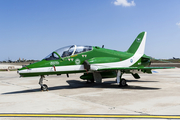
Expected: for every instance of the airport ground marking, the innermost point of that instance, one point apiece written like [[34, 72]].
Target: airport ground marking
[[91, 115]]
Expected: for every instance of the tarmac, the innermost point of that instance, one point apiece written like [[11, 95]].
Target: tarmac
[[152, 94]]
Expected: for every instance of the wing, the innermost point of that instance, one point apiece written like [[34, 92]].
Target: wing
[[134, 68], [142, 69]]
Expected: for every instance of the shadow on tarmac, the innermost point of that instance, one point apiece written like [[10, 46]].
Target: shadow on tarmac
[[74, 84], [140, 81]]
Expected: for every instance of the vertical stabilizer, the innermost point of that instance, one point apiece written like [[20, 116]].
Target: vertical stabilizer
[[138, 42]]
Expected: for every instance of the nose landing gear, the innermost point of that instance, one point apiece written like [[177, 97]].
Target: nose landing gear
[[44, 87]]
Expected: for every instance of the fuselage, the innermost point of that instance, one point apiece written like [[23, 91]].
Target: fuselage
[[71, 60]]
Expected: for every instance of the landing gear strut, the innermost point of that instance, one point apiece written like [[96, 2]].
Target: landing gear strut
[[44, 87], [121, 81]]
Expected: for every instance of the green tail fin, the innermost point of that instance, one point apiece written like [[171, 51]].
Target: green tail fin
[[137, 42]]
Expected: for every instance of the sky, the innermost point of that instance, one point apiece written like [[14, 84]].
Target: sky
[[32, 29]]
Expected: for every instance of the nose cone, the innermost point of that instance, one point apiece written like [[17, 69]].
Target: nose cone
[[24, 70], [35, 69], [30, 69]]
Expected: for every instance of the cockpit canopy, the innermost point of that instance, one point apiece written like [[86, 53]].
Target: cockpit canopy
[[67, 51]]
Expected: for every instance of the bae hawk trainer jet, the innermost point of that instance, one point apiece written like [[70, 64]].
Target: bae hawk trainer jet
[[94, 62]]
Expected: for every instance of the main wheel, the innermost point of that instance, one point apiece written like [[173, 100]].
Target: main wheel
[[44, 87], [123, 82]]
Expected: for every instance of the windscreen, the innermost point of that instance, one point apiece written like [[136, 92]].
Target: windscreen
[[68, 51], [61, 52]]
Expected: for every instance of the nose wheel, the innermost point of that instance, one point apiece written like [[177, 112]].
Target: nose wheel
[[44, 87]]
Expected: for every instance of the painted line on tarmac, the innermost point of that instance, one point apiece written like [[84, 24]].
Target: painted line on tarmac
[[91, 116]]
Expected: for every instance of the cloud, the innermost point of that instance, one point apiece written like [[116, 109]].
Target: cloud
[[124, 3], [178, 24]]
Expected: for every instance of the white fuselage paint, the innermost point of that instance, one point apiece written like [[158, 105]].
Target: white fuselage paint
[[126, 63], [51, 69]]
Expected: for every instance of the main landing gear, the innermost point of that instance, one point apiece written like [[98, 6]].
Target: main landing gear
[[123, 83], [120, 80], [44, 87]]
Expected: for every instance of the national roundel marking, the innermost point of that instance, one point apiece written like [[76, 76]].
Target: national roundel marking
[[131, 60], [77, 61]]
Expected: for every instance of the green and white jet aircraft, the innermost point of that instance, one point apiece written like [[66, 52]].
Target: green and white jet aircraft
[[94, 62]]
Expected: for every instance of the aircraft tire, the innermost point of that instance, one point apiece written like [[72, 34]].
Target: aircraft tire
[[123, 82], [44, 87]]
